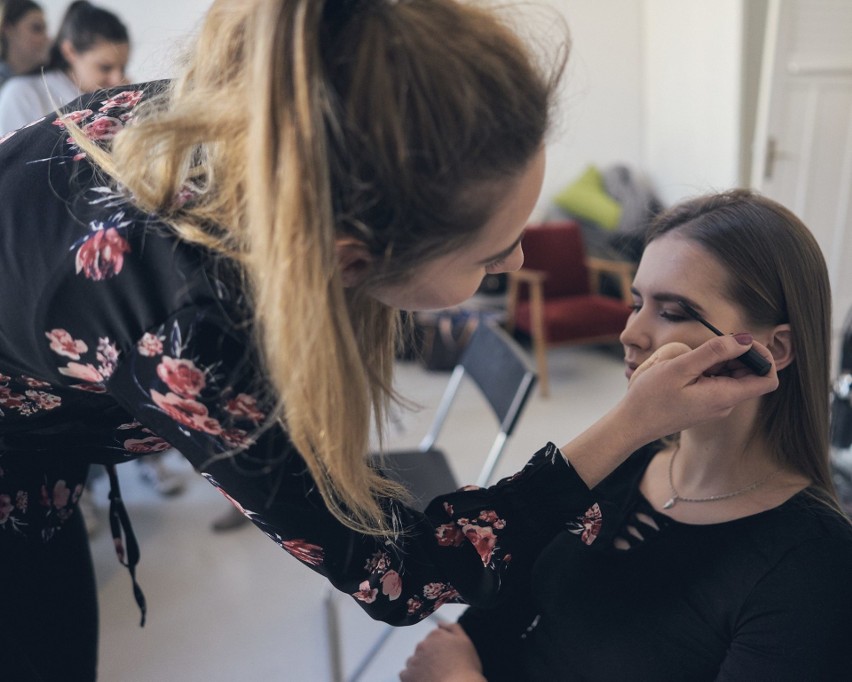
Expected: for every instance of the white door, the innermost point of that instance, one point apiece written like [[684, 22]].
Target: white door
[[803, 133]]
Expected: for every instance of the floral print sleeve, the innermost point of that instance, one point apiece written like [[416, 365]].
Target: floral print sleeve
[[127, 341], [180, 381]]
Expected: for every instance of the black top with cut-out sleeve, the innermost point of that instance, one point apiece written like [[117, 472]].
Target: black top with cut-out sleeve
[[765, 597]]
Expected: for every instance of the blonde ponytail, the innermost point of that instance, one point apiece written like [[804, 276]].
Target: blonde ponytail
[[298, 122]]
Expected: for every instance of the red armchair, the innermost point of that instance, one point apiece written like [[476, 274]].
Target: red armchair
[[554, 298]]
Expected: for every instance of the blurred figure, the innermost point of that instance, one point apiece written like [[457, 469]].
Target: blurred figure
[[23, 38], [90, 52]]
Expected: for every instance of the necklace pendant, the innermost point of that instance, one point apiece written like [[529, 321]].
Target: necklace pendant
[[670, 503]]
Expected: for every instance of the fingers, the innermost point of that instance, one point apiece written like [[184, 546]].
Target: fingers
[[717, 352], [665, 352]]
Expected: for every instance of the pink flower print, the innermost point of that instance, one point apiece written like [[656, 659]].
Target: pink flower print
[[483, 539], [4, 378], [45, 401], [108, 357], [245, 407], [448, 508], [6, 508], [101, 256], [150, 345], [366, 593], [61, 494], [236, 438], [190, 413], [186, 193], [392, 585], [449, 535], [146, 445], [305, 551], [378, 563], [11, 400], [488, 516], [129, 425], [22, 501], [434, 590], [414, 605], [62, 343], [31, 382], [75, 117], [181, 376], [591, 523], [89, 388], [85, 372], [103, 128], [127, 99]]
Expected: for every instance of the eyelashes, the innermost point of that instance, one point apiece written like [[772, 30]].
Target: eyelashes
[[494, 265], [665, 314]]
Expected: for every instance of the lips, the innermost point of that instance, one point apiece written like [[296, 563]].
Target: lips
[[630, 367]]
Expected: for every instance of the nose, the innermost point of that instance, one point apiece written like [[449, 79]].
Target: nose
[[634, 333], [514, 261], [115, 78]]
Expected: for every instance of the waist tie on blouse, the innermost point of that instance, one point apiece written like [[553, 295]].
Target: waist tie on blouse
[[119, 522]]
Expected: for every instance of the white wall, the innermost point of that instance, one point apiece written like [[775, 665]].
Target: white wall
[[600, 113], [693, 52], [654, 84]]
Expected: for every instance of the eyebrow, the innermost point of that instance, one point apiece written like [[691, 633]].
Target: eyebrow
[[505, 252], [666, 297]]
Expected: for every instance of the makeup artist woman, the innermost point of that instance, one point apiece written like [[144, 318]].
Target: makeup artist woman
[[225, 278]]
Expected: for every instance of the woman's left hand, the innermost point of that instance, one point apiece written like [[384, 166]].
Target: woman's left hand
[[446, 655]]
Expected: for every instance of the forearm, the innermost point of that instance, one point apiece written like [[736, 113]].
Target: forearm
[[601, 448]]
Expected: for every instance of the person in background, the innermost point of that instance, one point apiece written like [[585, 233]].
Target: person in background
[[24, 42], [721, 553], [90, 52], [217, 264]]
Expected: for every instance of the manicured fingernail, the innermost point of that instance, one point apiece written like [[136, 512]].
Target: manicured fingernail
[[744, 338]]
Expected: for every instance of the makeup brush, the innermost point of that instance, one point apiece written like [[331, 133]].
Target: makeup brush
[[751, 358]]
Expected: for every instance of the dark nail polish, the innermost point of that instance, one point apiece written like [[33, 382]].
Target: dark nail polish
[[744, 338]]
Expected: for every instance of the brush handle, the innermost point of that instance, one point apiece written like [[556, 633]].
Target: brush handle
[[755, 362]]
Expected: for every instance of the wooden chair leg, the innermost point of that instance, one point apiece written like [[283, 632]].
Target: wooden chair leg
[[539, 337]]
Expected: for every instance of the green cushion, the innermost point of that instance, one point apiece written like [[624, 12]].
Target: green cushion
[[586, 198]]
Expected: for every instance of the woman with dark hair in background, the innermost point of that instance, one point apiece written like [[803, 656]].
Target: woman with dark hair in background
[[721, 553], [217, 264], [90, 52], [24, 42]]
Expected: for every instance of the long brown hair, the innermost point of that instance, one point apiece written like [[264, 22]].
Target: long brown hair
[[298, 122], [777, 274]]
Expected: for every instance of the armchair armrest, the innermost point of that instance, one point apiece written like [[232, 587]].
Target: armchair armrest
[[622, 270], [535, 279]]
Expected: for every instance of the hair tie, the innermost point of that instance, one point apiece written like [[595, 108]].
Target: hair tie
[[337, 13]]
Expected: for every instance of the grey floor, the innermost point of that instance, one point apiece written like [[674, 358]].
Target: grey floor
[[234, 606]]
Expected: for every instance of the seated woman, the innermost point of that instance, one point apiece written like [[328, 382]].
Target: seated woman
[[723, 554]]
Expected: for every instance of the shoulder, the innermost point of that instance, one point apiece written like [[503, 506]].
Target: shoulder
[[809, 539]]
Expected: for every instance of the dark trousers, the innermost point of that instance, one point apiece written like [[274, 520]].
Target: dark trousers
[[48, 607]]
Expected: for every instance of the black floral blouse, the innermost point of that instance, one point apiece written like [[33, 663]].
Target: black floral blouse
[[117, 339]]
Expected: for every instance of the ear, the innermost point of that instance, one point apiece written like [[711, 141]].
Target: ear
[[781, 346], [68, 51], [353, 261]]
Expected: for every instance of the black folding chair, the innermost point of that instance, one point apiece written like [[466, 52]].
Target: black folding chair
[[501, 369]]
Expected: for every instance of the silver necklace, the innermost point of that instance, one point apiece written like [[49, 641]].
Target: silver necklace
[[676, 497]]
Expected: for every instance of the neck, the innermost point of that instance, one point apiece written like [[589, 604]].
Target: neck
[[722, 456], [19, 66]]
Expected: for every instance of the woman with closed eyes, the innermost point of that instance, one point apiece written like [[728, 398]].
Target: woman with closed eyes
[[720, 552]]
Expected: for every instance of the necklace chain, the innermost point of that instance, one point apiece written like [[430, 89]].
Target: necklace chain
[[677, 497]]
